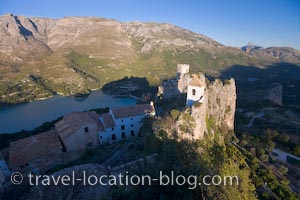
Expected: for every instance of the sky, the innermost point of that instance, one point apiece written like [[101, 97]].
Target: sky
[[230, 22]]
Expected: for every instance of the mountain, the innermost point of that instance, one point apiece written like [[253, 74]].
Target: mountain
[[40, 57], [273, 54], [247, 48]]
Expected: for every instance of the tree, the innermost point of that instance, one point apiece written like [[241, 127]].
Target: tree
[[271, 134], [261, 151], [174, 114], [296, 151], [271, 146], [283, 138], [283, 169]]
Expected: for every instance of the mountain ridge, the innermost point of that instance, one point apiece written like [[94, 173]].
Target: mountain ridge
[[77, 54]]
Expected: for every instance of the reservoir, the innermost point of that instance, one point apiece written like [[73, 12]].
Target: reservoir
[[27, 116]]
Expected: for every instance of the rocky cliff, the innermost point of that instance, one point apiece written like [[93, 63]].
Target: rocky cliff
[[215, 113], [218, 108]]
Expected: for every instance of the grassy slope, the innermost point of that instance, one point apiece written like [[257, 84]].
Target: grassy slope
[[84, 66]]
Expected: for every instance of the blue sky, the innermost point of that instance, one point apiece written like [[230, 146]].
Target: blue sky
[[231, 22]]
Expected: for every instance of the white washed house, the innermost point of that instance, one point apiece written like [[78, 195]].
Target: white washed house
[[195, 91], [123, 122]]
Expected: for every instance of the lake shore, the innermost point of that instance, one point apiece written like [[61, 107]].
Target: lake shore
[[27, 116]]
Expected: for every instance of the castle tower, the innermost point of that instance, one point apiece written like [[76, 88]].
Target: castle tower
[[182, 77], [182, 69]]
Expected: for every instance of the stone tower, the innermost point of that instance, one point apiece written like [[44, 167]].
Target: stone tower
[[182, 77]]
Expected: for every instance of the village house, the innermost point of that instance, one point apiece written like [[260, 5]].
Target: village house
[[35, 153], [123, 122], [78, 130], [72, 135]]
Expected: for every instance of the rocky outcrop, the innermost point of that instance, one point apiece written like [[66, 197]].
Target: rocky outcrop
[[218, 108], [22, 37], [215, 113]]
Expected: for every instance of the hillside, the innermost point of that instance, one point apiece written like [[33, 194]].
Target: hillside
[[40, 57]]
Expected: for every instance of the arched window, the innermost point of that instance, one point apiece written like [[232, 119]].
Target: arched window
[[194, 92]]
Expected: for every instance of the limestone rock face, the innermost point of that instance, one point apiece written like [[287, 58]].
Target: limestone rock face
[[21, 37], [222, 103], [218, 107]]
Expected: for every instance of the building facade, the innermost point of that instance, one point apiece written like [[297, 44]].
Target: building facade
[[77, 131], [123, 122]]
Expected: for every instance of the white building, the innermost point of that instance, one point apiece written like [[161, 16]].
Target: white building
[[123, 122], [195, 91]]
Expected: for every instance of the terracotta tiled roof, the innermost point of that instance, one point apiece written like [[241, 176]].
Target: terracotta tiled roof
[[131, 111], [23, 151], [75, 120], [196, 81], [108, 120]]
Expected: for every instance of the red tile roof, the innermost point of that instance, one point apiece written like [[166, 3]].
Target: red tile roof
[[196, 81], [108, 120], [23, 151], [131, 111]]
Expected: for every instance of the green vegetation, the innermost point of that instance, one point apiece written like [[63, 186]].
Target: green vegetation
[[184, 158], [78, 72], [210, 123], [265, 171]]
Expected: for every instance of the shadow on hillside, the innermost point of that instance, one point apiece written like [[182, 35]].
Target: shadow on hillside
[[130, 86], [249, 78]]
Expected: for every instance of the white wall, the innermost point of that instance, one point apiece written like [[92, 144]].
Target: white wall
[[198, 97], [107, 134]]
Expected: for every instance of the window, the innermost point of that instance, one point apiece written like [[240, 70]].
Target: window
[[123, 135], [86, 129], [122, 127], [113, 137], [132, 133], [131, 125], [193, 92]]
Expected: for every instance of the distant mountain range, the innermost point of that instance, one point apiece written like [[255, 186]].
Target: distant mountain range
[[40, 56], [273, 54]]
